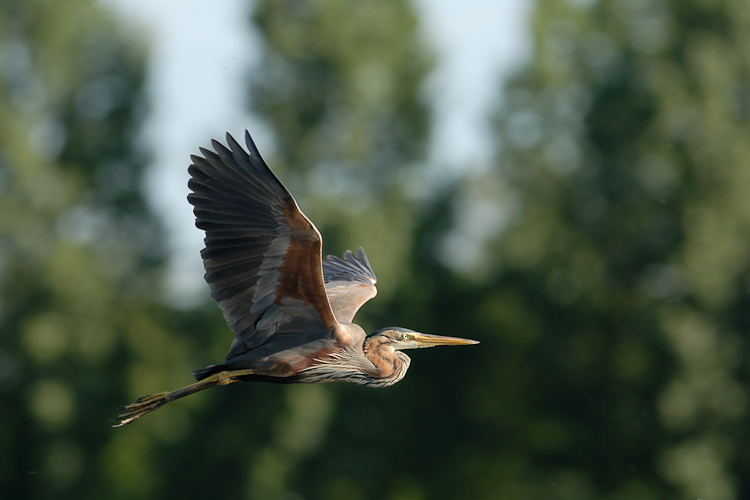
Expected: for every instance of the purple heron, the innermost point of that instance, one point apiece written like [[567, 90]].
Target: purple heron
[[291, 312]]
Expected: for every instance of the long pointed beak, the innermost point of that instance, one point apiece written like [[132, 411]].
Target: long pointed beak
[[426, 340]]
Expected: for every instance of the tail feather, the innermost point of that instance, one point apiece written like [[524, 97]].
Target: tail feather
[[208, 371]]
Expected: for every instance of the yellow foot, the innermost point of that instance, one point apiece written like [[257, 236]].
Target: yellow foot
[[143, 405], [147, 404]]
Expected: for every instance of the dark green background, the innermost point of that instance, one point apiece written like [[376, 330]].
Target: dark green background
[[609, 285]]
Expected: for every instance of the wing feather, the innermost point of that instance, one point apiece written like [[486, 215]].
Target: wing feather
[[262, 255], [349, 283]]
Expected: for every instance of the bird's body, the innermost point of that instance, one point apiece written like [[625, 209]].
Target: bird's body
[[291, 312], [289, 358]]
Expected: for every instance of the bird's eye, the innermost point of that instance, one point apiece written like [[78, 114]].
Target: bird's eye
[[405, 336]]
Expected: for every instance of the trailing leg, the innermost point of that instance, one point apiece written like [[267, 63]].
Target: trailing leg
[[152, 402]]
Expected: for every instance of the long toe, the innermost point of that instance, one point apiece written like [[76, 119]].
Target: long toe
[[150, 397], [142, 406]]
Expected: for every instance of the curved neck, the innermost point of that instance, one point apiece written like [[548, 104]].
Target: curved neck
[[390, 364]]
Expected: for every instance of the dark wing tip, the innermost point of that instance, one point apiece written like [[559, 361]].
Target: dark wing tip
[[362, 257], [233, 145], [219, 147], [251, 146]]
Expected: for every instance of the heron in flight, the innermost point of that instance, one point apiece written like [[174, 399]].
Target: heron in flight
[[291, 311]]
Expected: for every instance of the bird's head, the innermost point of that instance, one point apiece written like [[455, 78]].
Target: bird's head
[[402, 338]]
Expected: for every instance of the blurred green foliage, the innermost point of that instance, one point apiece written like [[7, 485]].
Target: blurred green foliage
[[78, 249], [626, 143], [604, 265]]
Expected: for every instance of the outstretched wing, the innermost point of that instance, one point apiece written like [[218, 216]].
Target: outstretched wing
[[349, 283], [262, 255]]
